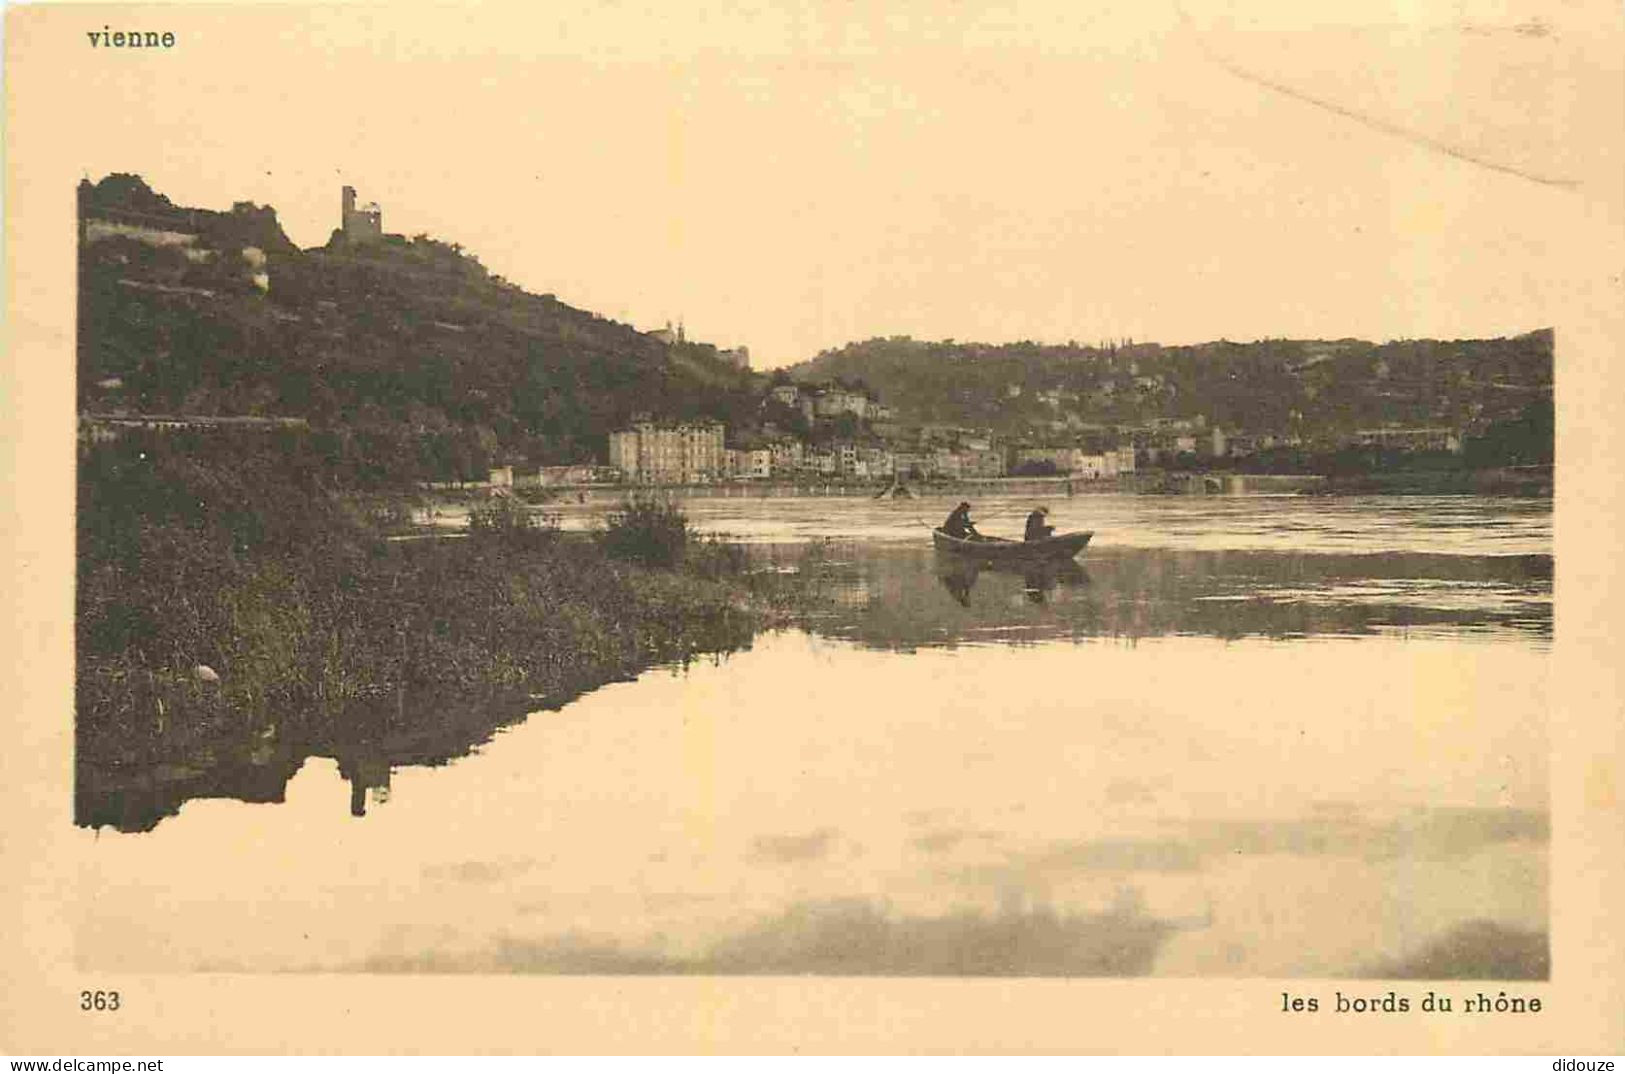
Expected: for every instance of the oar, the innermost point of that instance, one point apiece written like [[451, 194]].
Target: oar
[[997, 514], [934, 528], [1007, 512]]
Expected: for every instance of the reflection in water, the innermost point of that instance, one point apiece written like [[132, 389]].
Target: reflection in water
[[1474, 950], [1039, 580], [369, 740], [958, 579], [1278, 808], [1172, 758], [903, 598], [849, 938]]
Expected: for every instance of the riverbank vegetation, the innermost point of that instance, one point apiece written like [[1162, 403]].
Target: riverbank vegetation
[[225, 585]]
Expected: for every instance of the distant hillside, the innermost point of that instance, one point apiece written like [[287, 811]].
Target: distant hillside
[[1307, 387], [204, 312]]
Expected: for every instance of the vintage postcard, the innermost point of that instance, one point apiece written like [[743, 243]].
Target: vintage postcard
[[802, 526]]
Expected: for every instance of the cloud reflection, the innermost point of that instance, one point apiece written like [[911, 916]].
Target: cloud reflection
[[786, 849], [847, 937], [1475, 950], [1431, 833], [1331, 830]]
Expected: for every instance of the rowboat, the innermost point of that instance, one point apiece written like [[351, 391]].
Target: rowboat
[[1062, 546]]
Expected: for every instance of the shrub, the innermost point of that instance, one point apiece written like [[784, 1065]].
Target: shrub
[[270, 571], [647, 529], [505, 520], [385, 513]]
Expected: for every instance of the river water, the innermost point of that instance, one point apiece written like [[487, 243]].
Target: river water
[[1243, 736]]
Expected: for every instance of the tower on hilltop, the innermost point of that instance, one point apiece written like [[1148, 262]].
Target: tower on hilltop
[[360, 224]]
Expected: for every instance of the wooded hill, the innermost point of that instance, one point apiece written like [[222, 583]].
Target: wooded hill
[[1278, 386], [410, 341]]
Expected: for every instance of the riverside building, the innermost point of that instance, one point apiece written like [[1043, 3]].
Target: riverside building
[[656, 454]]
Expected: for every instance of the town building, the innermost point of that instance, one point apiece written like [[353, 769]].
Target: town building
[[946, 463], [1064, 459], [654, 454], [875, 462], [981, 462], [820, 461], [1106, 464], [786, 456], [915, 465], [1092, 468], [846, 458], [1090, 465], [833, 402], [554, 476], [1433, 438]]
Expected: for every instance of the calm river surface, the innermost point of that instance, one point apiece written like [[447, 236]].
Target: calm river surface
[[1283, 736]]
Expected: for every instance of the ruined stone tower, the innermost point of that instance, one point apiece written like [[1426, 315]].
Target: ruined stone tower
[[360, 224]]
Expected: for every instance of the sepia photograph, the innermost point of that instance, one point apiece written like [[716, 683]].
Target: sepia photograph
[[876, 500]]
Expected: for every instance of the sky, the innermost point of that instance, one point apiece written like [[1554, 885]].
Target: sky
[[795, 176]]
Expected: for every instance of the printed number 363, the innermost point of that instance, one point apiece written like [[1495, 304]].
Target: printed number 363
[[98, 1001]]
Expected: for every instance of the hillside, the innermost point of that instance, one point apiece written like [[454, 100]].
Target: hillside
[[1305, 387], [409, 340]]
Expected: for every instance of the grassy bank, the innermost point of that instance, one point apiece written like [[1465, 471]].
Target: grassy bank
[[249, 561]]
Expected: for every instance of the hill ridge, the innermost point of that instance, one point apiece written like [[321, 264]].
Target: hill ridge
[[210, 312]]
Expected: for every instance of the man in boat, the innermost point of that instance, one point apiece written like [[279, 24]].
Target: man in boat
[[959, 524], [1037, 529]]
